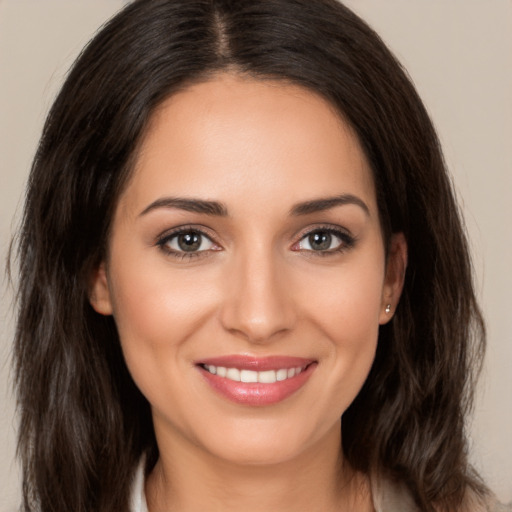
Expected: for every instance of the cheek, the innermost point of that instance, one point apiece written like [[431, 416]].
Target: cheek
[[156, 312], [349, 315], [347, 302]]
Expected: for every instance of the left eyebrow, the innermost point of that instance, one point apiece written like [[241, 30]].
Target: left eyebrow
[[326, 203]]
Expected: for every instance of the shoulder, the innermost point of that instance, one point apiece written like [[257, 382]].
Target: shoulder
[[487, 503], [390, 496]]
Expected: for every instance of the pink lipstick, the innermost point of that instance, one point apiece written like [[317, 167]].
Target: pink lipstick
[[256, 381]]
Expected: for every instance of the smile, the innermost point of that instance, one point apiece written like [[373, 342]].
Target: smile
[[263, 377], [256, 381]]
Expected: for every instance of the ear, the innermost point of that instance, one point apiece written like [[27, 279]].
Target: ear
[[396, 265], [99, 291]]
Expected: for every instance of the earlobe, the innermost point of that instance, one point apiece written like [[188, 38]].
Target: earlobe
[[395, 276], [99, 291]]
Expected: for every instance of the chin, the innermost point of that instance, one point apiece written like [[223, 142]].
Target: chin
[[265, 443]]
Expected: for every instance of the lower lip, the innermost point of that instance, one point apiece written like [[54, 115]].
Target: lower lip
[[255, 393]]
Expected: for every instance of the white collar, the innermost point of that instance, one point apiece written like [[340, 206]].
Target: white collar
[[386, 495], [138, 496]]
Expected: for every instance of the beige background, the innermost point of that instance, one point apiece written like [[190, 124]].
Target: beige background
[[459, 54]]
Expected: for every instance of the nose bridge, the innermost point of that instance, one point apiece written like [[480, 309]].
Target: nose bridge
[[257, 303]]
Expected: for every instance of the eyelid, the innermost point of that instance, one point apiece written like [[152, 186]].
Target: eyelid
[[163, 239], [347, 238]]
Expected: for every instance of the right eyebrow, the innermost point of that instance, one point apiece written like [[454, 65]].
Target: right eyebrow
[[188, 204]]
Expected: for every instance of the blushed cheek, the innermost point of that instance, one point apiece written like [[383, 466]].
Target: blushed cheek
[[352, 306], [155, 310], [350, 318], [355, 347], [147, 327]]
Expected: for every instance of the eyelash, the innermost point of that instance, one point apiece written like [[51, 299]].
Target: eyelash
[[166, 238], [347, 242]]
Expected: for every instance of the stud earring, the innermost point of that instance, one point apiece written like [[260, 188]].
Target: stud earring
[[388, 309]]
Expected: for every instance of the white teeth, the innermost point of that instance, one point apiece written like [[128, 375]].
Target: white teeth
[[248, 376], [233, 374], [268, 377], [264, 377], [281, 374]]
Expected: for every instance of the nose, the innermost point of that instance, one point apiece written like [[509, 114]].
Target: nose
[[258, 304]]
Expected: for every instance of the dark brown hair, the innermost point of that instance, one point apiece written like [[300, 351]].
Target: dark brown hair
[[83, 423]]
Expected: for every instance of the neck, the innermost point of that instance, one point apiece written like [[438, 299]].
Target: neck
[[186, 479]]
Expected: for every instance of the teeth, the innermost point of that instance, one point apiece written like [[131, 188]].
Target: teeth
[[282, 374], [268, 377], [264, 377], [232, 374], [248, 376]]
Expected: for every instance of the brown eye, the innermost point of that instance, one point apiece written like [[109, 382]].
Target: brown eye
[[325, 241], [189, 241], [320, 241]]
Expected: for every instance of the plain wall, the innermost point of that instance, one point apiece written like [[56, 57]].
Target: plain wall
[[459, 54]]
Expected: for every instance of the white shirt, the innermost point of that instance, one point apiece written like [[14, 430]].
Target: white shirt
[[138, 498], [383, 501], [387, 497]]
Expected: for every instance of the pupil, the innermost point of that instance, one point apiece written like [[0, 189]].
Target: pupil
[[189, 241], [320, 241]]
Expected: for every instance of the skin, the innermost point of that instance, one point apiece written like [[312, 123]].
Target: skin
[[257, 288]]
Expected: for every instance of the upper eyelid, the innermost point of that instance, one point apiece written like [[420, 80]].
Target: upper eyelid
[[165, 237], [326, 227], [347, 239], [169, 233], [207, 232]]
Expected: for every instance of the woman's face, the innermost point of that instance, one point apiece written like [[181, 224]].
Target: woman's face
[[247, 245]]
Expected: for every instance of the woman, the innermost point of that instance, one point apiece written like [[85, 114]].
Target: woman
[[244, 280]]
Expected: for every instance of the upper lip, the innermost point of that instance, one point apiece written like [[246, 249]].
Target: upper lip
[[247, 362]]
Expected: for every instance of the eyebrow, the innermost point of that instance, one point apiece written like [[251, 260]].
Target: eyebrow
[[216, 208], [190, 205], [326, 203]]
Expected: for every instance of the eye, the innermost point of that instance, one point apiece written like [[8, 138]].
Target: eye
[[325, 240], [186, 242]]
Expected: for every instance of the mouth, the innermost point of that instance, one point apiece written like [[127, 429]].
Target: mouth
[[256, 381], [263, 377]]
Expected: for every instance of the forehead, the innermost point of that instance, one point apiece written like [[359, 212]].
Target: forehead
[[232, 138]]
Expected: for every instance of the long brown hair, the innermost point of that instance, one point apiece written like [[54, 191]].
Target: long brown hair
[[84, 425]]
